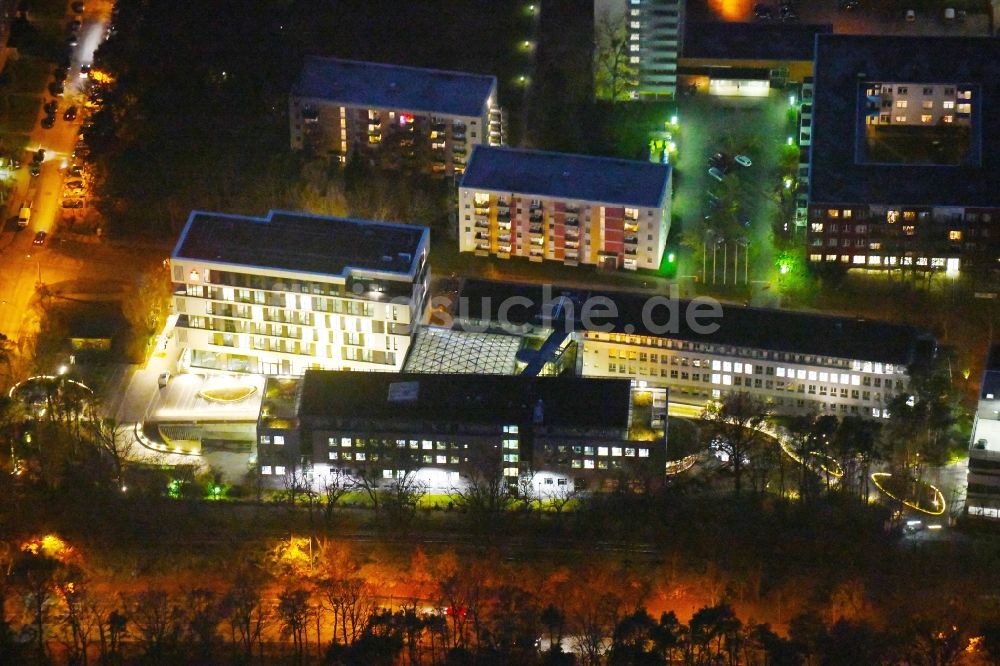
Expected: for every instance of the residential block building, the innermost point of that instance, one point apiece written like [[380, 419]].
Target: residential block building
[[280, 294], [654, 31], [557, 433], [797, 362], [903, 166], [573, 209], [397, 117]]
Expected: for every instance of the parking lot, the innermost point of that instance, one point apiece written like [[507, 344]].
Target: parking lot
[[756, 128]]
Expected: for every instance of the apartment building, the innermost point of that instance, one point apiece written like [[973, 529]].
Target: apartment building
[[654, 31], [983, 492], [573, 209], [280, 294], [558, 433], [423, 120], [797, 362], [902, 168]]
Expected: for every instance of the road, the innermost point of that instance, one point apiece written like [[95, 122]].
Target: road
[[23, 265]]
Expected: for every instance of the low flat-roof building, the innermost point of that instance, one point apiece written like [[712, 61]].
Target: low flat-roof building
[[903, 167], [574, 209], [290, 291], [747, 59], [797, 361], [560, 433], [423, 119]]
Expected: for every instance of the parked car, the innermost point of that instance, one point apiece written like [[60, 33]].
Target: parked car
[[72, 203], [715, 173], [72, 40], [762, 12], [77, 7], [911, 16], [720, 161], [35, 169], [48, 122], [40, 238], [75, 170], [849, 5], [70, 114], [742, 160], [74, 25], [38, 157], [56, 89], [51, 107]]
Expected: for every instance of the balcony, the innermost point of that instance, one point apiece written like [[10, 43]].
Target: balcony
[[535, 229], [535, 217], [439, 127], [503, 224], [483, 223], [631, 240], [482, 249]]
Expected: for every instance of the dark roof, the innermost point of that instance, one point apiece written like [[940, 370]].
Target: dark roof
[[570, 402], [567, 176], [301, 242], [757, 328], [395, 86], [845, 62], [991, 375], [752, 41]]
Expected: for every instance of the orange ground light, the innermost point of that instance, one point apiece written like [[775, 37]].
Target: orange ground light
[[731, 10]]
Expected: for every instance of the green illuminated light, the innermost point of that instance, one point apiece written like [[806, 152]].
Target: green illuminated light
[[790, 141]]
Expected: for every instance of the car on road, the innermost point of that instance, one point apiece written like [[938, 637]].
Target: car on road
[[51, 107], [70, 114], [56, 89], [762, 12], [72, 40], [40, 238], [72, 203], [38, 156], [742, 160], [84, 71], [35, 169], [73, 184], [716, 173], [77, 7], [48, 122], [24, 215]]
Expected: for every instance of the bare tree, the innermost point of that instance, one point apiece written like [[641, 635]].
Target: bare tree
[[487, 492], [561, 496], [614, 73], [293, 611], [335, 486], [352, 604], [246, 613], [114, 441], [734, 424], [157, 621]]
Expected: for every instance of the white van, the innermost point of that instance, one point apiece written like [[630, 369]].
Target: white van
[[24, 215]]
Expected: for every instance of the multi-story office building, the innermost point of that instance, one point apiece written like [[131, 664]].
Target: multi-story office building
[[399, 117], [279, 294], [654, 32], [983, 492], [796, 361], [561, 432], [568, 208], [903, 169]]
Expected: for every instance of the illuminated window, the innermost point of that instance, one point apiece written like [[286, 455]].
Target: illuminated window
[[875, 246], [965, 108], [278, 469], [833, 212], [481, 198], [817, 227], [926, 118], [949, 104], [847, 212], [900, 119], [927, 104], [901, 104], [279, 440], [948, 119], [265, 469], [909, 215], [909, 229], [964, 94], [955, 235], [194, 276], [891, 216]]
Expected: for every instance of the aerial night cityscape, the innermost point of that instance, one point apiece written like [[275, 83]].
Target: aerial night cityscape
[[500, 332]]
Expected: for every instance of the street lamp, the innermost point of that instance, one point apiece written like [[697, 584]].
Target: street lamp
[[790, 141]]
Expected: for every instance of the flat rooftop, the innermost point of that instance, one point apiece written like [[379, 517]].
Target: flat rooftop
[[845, 63], [386, 86], [752, 41], [757, 328], [567, 176], [569, 402], [301, 242]]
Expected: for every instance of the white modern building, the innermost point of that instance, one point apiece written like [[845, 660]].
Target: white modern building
[[402, 117], [573, 209], [287, 292], [983, 492], [653, 30], [797, 362]]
